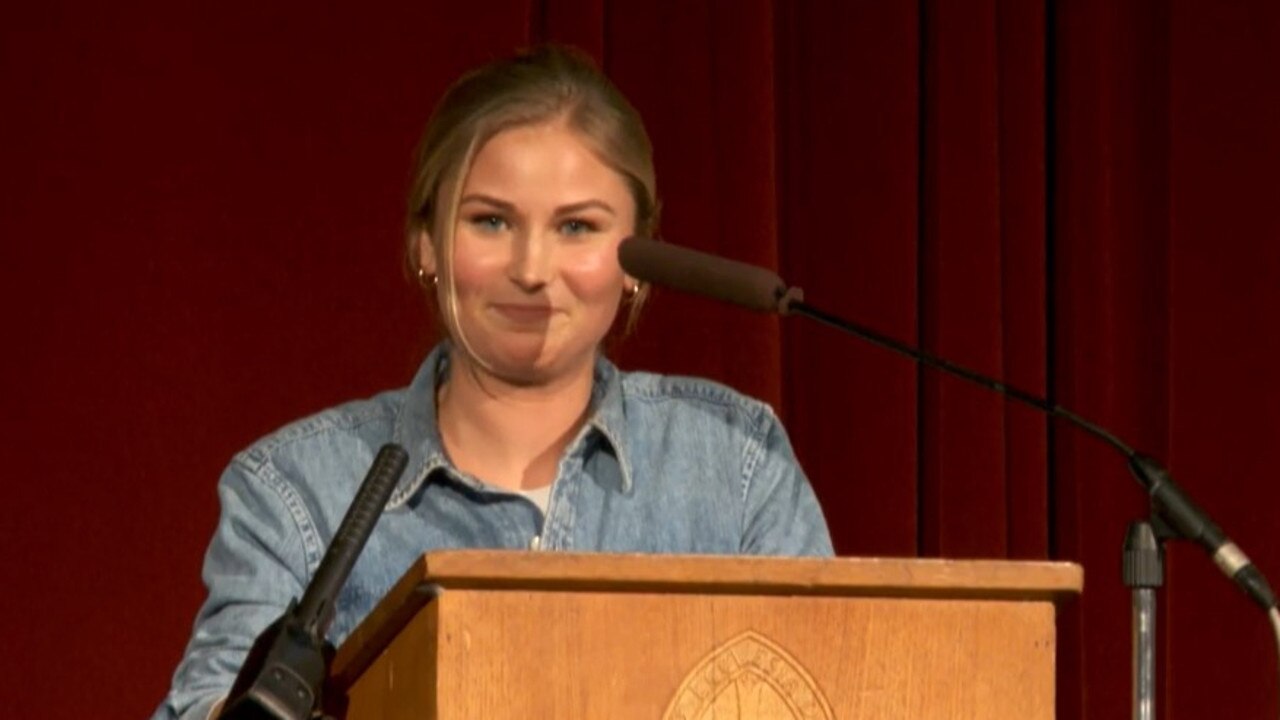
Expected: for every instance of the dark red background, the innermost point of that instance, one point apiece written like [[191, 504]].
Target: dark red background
[[200, 218]]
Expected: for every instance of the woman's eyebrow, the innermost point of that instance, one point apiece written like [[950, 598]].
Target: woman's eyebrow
[[585, 205], [562, 210], [488, 200]]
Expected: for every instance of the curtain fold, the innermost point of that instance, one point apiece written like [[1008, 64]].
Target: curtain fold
[[848, 234], [1223, 258], [962, 429]]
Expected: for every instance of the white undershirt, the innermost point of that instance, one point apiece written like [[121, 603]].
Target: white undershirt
[[539, 496]]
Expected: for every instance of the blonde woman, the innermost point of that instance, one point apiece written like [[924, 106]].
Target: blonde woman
[[520, 433]]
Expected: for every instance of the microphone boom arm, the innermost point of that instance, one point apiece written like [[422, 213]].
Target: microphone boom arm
[[1179, 515], [760, 289]]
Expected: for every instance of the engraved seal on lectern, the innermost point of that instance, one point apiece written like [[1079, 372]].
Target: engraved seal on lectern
[[748, 678]]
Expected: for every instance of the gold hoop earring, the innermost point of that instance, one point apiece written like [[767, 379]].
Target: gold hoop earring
[[632, 291], [422, 278]]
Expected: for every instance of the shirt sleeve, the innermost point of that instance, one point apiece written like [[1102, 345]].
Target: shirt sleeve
[[781, 512], [255, 565]]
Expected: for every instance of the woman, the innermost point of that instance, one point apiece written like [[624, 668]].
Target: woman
[[520, 434]]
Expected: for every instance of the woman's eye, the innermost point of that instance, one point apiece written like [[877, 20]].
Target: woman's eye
[[488, 223], [577, 227]]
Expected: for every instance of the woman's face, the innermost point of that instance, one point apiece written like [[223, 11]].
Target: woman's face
[[535, 265]]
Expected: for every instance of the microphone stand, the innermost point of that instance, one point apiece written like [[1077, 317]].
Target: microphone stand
[[1173, 514], [1143, 572]]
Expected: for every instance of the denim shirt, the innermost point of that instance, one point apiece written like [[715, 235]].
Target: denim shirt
[[663, 465]]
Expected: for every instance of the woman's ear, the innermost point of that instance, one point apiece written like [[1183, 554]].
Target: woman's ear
[[630, 285]]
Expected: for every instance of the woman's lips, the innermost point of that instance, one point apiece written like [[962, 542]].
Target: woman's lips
[[524, 314]]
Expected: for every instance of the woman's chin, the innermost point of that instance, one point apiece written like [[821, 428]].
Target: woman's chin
[[526, 364]]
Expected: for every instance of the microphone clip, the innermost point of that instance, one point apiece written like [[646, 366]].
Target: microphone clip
[[283, 674]]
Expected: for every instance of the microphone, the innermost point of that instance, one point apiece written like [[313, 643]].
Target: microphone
[[759, 289], [286, 667], [704, 274]]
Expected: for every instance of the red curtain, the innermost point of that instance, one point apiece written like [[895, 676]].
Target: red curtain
[[200, 217]]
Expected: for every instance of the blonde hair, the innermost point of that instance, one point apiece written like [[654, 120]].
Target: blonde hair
[[536, 86]]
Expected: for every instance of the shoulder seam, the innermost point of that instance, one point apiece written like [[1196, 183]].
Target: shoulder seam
[[342, 417], [265, 473]]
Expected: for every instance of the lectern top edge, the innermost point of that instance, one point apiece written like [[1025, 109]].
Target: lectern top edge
[[819, 576], [440, 571]]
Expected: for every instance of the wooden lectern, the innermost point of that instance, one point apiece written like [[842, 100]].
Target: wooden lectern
[[487, 634]]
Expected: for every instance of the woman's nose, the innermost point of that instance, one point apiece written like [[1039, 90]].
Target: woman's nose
[[531, 260]]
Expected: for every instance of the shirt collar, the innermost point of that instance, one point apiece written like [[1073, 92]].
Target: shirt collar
[[415, 427], [417, 431], [609, 417]]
